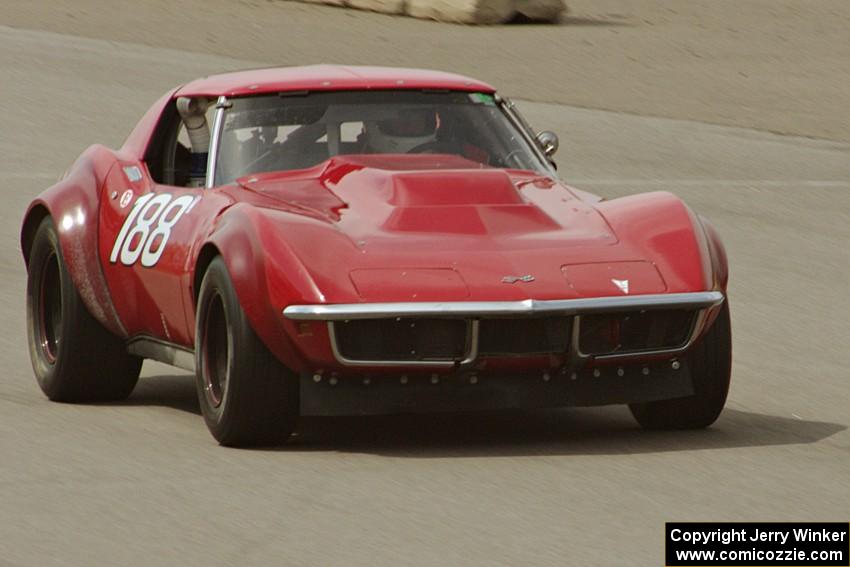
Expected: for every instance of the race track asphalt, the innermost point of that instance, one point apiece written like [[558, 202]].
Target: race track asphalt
[[143, 483]]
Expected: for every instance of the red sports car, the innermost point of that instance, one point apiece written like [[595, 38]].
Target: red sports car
[[334, 240]]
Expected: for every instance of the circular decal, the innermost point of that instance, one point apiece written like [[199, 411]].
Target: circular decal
[[126, 197]]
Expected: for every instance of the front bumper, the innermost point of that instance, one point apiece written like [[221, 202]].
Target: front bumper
[[474, 311]]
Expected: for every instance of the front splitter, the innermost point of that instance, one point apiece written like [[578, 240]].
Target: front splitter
[[408, 393]]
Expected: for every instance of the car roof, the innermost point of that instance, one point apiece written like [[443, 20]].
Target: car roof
[[328, 78]]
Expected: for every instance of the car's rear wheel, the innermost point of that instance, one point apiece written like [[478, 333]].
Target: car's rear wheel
[[710, 364], [246, 395], [74, 357]]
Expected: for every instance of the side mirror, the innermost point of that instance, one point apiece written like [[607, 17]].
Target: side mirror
[[548, 142]]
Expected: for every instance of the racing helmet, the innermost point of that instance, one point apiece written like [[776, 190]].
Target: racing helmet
[[409, 128]]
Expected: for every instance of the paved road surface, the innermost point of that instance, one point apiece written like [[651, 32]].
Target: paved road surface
[[143, 483], [776, 65]]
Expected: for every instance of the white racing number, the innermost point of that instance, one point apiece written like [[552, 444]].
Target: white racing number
[[147, 228]]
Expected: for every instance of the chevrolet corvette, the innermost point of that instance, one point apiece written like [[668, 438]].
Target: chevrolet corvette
[[329, 240]]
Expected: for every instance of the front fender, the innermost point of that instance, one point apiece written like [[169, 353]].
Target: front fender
[[683, 245], [665, 231], [717, 251], [267, 275], [73, 204]]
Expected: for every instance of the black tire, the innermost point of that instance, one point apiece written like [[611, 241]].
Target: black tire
[[710, 364], [75, 359], [246, 395]]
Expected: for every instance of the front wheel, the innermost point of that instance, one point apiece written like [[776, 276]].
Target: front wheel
[[710, 363], [246, 395], [75, 359]]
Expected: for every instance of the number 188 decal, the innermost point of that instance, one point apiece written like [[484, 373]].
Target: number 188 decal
[[147, 228]]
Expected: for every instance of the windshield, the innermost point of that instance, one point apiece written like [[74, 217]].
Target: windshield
[[299, 130]]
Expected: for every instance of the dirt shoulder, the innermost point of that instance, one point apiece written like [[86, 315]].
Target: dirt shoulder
[[777, 65]]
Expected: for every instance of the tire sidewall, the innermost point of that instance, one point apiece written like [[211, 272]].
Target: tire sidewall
[[216, 283], [45, 244], [89, 363], [260, 401], [710, 365]]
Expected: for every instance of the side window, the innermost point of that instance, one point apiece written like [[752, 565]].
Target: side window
[[169, 155], [164, 137]]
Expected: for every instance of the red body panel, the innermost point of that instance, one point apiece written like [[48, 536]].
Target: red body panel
[[359, 229], [522, 227], [151, 300], [137, 142], [370, 233], [73, 204]]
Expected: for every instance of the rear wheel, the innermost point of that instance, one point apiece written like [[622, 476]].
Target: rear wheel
[[710, 364], [74, 357], [246, 395]]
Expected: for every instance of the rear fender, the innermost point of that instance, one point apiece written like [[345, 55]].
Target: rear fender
[[73, 204]]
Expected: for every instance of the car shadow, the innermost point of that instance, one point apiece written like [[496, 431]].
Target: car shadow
[[570, 431], [176, 392], [606, 430]]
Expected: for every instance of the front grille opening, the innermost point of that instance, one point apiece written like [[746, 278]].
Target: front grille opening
[[515, 337], [402, 339], [615, 333]]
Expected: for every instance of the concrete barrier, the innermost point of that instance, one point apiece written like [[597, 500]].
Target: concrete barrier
[[385, 6], [542, 10], [460, 11], [463, 11]]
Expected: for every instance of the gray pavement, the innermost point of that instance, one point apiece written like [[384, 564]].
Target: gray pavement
[[776, 65], [143, 483]]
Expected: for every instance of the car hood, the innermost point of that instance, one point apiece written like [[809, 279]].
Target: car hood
[[428, 227], [381, 198]]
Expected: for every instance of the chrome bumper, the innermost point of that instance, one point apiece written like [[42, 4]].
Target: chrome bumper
[[701, 301], [347, 311]]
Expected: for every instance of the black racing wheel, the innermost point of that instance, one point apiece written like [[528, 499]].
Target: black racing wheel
[[246, 395], [74, 357], [710, 363]]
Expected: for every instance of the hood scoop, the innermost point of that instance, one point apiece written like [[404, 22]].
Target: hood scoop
[[453, 188], [460, 202]]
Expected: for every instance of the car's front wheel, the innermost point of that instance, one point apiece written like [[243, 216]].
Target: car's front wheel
[[74, 357], [710, 364], [246, 395]]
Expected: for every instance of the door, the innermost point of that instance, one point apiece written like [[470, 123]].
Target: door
[[145, 237]]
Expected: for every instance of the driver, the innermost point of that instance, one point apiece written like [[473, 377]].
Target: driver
[[409, 129]]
